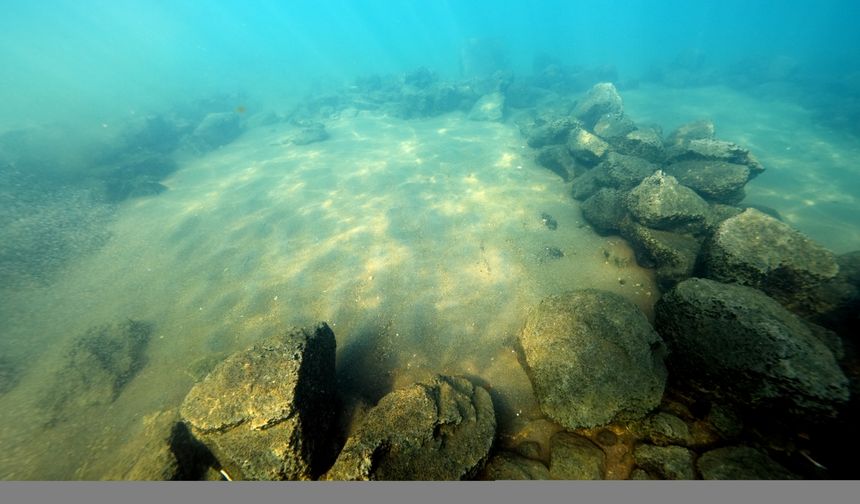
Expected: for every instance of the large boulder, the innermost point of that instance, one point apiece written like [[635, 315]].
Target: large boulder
[[605, 210], [547, 131], [666, 462], [601, 99], [613, 126], [716, 181], [266, 412], [586, 146], [741, 463], [573, 457], [673, 255], [510, 466], [757, 250], [737, 343], [592, 358], [439, 430], [644, 143], [714, 150], [557, 159], [660, 202]]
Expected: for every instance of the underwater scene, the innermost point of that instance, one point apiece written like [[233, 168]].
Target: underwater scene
[[429, 240]]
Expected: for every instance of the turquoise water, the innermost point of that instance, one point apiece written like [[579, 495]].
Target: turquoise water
[[418, 236]]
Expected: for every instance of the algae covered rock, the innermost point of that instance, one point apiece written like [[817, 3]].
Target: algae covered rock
[[266, 412], [738, 343], [439, 430], [592, 357], [510, 466], [741, 463], [573, 457], [716, 181], [667, 462], [601, 99], [660, 202], [756, 250]]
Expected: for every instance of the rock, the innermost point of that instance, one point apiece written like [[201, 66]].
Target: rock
[[586, 147], [266, 412], [575, 458], [664, 429], [716, 181], [725, 421], [98, 366], [613, 126], [490, 107], [640, 475], [757, 250], [557, 159], [310, 133], [667, 462], [601, 99], [592, 357], [162, 450], [509, 466], [737, 343], [587, 184], [644, 143], [714, 150], [624, 172], [605, 210], [217, 129], [741, 463], [440, 430], [673, 255], [548, 132], [660, 202], [697, 130]]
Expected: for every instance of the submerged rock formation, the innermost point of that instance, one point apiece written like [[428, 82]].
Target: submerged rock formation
[[439, 430], [266, 412], [592, 357], [739, 344]]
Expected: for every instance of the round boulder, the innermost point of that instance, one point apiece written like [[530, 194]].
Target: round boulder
[[592, 358], [738, 343], [440, 430]]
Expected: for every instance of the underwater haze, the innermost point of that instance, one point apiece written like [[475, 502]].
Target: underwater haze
[[180, 180]]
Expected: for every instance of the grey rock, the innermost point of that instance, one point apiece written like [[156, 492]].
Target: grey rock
[[601, 99], [573, 457], [624, 172], [613, 126], [440, 430], [643, 143], [664, 429], [660, 202], [217, 129], [592, 357], [509, 466], [666, 462], [548, 132], [757, 250], [266, 412], [714, 150], [716, 181], [605, 210], [737, 343], [586, 146], [741, 463], [557, 159], [587, 184], [490, 107], [673, 255], [697, 130]]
